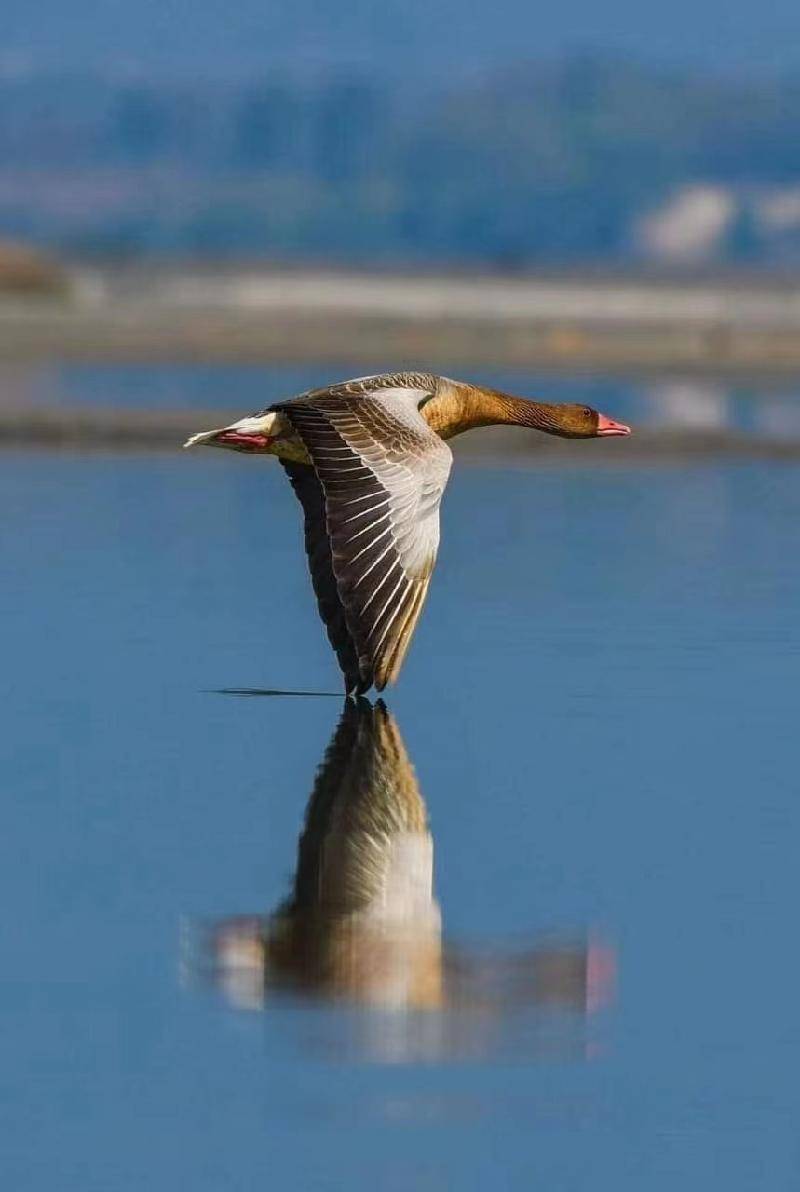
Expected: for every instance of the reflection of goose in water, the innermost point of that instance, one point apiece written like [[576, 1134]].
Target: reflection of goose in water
[[361, 922], [362, 919]]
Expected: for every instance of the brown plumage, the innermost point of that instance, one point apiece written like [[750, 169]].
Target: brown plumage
[[368, 462]]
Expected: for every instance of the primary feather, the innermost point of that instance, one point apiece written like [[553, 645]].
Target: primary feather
[[381, 472]]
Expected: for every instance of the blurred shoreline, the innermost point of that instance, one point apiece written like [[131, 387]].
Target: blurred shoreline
[[690, 330], [721, 325]]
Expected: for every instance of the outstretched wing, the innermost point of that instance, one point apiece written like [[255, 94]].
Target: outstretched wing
[[382, 472], [309, 492]]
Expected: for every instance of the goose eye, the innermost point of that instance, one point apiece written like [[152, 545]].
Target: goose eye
[[587, 411]]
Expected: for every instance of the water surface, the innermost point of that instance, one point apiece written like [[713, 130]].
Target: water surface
[[599, 710], [770, 413]]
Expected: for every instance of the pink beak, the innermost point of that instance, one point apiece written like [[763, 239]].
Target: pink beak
[[607, 426]]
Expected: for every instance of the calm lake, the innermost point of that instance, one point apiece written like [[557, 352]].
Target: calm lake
[[600, 710], [770, 412]]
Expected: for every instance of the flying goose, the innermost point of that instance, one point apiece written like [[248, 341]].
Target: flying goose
[[368, 461]]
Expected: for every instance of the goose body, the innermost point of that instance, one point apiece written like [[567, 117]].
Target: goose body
[[369, 462]]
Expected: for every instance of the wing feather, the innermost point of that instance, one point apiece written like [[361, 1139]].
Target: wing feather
[[382, 472], [318, 551]]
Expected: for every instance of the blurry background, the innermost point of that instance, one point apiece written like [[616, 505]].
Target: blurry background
[[396, 157], [579, 191], [506, 136]]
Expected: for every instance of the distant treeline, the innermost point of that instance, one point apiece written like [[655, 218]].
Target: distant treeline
[[554, 161]]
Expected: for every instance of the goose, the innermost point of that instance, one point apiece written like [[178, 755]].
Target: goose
[[369, 462]]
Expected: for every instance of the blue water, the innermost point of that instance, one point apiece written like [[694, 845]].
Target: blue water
[[600, 705], [770, 413]]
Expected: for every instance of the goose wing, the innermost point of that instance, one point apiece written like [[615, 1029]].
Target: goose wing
[[382, 472], [308, 491]]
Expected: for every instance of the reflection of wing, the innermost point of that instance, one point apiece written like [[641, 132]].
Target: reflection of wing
[[365, 848], [381, 472]]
